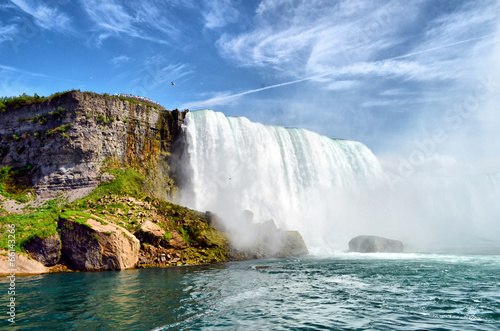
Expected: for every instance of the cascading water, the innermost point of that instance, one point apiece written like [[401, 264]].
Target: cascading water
[[296, 177], [330, 190]]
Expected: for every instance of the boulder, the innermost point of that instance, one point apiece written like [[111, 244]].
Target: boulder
[[292, 244], [176, 241], [150, 233], [268, 241], [23, 265], [374, 244], [98, 245], [45, 250]]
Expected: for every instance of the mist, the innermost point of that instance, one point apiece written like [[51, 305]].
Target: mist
[[418, 84], [333, 190]]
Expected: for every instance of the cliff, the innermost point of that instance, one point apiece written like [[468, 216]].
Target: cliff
[[61, 144], [86, 179]]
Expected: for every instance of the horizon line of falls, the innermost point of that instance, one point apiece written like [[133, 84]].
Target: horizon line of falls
[[330, 190]]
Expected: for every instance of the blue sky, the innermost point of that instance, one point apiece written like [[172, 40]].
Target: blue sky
[[391, 74]]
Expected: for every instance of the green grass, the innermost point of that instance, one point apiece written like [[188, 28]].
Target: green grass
[[132, 100], [80, 217], [28, 227], [127, 182], [61, 129], [12, 187]]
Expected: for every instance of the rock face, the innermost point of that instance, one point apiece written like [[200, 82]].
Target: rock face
[[150, 233], [23, 264], [374, 244], [66, 140], [97, 246], [45, 250]]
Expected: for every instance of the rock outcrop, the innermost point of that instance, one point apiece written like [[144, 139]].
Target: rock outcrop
[[150, 233], [98, 245], [45, 250], [23, 265], [265, 240], [374, 244], [292, 244]]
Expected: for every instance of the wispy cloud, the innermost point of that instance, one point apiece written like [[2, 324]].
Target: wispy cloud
[[7, 32], [342, 85], [46, 17], [218, 98], [355, 35], [14, 81], [157, 73], [121, 59], [150, 21], [219, 13], [392, 68], [21, 71]]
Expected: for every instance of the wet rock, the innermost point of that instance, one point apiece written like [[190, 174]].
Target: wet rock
[[269, 241], [374, 244], [292, 244]]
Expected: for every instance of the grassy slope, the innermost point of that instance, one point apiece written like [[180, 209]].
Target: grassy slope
[[124, 201]]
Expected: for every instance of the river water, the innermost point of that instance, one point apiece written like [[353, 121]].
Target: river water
[[346, 291]]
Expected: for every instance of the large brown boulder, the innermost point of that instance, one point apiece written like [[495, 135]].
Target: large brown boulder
[[374, 244], [97, 245], [150, 233], [45, 250]]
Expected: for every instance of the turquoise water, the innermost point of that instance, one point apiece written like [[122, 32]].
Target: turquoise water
[[341, 292]]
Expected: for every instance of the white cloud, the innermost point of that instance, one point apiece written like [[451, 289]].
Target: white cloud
[[137, 19], [157, 72], [109, 15], [342, 85], [306, 38], [121, 59], [46, 17], [219, 99], [7, 32], [219, 14]]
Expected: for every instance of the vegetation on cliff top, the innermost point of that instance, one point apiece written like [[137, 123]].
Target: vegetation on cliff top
[[16, 102], [25, 99]]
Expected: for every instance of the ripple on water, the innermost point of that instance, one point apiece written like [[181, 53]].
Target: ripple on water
[[348, 292]]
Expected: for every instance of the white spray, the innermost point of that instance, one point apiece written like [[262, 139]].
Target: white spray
[[330, 190]]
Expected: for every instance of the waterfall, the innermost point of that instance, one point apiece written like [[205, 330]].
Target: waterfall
[[296, 177], [329, 190]]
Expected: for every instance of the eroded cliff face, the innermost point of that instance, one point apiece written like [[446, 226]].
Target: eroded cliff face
[[62, 144]]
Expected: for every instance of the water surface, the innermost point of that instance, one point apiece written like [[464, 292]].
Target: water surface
[[346, 291]]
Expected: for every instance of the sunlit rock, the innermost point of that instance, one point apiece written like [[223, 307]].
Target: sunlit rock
[[98, 245], [150, 233]]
